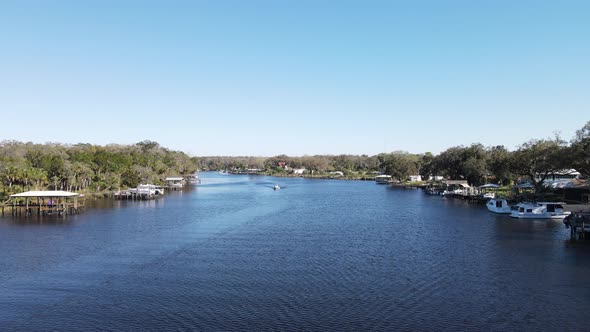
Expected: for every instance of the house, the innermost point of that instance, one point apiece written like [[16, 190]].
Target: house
[[415, 178], [298, 171], [435, 178], [565, 174]]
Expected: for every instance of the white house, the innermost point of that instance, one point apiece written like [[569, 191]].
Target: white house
[[298, 171], [565, 174], [414, 178]]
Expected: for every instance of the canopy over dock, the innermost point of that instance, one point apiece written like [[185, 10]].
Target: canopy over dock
[[46, 202], [175, 182], [46, 193]]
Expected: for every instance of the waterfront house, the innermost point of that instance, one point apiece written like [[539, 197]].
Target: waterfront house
[[565, 174], [415, 178], [298, 171]]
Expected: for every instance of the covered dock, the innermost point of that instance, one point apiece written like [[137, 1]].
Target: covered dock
[[46, 202], [175, 183]]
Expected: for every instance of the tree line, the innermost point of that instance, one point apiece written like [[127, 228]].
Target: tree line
[[535, 161], [87, 167], [95, 168]]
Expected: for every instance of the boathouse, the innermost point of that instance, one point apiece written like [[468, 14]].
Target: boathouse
[[45, 202], [175, 183]]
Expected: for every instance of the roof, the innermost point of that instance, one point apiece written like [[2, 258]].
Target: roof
[[174, 179], [462, 183], [558, 184], [570, 171], [383, 176], [46, 193], [489, 185]]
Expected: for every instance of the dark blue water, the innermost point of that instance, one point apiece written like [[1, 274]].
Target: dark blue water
[[322, 255]]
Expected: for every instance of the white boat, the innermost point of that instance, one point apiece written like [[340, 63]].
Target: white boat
[[383, 179], [149, 189], [276, 187], [498, 205], [489, 195], [194, 179], [540, 210]]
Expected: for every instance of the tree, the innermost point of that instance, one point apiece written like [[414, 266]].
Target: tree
[[580, 150], [400, 165], [499, 164], [538, 159], [474, 164]]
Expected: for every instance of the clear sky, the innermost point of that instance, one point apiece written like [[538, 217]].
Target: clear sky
[[295, 77]]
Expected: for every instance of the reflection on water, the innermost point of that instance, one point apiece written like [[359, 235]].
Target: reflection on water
[[233, 254]]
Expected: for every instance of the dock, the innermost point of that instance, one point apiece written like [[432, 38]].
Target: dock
[[142, 192], [175, 183], [46, 202], [579, 225]]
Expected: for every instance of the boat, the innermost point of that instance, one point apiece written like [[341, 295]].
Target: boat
[[433, 191], [540, 210], [148, 189], [383, 179], [276, 187], [194, 179], [498, 205]]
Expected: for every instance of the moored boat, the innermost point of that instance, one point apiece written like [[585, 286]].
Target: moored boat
[[194, 179], [498, 205], [540, 210]]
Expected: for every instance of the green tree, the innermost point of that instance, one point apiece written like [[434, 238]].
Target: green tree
[[537, 159], [580, 150]]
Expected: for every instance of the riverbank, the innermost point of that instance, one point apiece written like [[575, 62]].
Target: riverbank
[[309, 176]]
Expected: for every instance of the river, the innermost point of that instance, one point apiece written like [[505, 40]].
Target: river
[[326, 255]]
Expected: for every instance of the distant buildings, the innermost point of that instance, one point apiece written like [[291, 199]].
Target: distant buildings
[[298, 171]]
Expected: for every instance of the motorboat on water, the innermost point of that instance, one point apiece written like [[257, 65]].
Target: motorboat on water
[[540, 210], [498, 205], [276, 187]]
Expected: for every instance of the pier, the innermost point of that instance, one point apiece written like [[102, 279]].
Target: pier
[[142, 192], [578, 221], [175, 183], [48, 202]]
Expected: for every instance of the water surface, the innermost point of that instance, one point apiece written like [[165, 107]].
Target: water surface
[[233, 254]]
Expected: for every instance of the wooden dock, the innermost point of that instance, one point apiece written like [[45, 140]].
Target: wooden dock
[[48, 202], [133, 195], [579, 225]]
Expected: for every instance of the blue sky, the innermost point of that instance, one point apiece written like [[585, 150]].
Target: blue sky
[[294, 77]]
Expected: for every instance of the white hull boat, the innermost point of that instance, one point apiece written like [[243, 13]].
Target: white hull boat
[[540, 210], [498, 206]]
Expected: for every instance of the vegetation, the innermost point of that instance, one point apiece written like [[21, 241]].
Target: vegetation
[[86, 167], [93, 168], [533, 161]]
